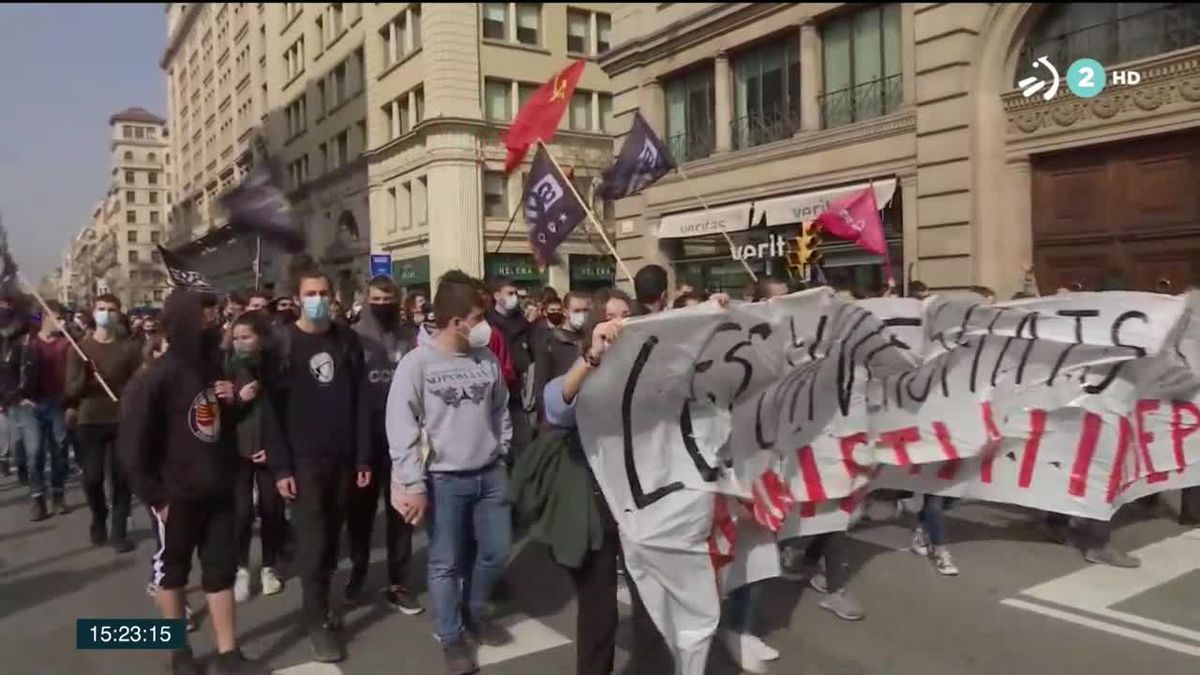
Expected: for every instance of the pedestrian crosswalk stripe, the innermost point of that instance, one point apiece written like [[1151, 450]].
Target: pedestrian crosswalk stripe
[[529, 636], [310, 668]]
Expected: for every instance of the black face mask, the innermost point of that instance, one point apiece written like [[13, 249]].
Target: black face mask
[[554, 318], [387, 314]]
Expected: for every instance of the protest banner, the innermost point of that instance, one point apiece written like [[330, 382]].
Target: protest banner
[[784, 415]]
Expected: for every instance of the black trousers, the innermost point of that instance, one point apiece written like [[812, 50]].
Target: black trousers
[[1089, 533], [360, 521], [596, 615], [832, 547], [270, 512], [318, 512], [97, 455], [1190, 504], [197, 526]]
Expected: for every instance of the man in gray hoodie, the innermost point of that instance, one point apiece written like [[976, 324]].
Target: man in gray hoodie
[[451, 388], [385, 339]]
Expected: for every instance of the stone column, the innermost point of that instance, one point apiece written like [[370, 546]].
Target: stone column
[[408, 30], [1018, 231], [412, 110], [810, 77], [455, 215], [653, 105], [512, 22], [908, 53], [594, 39], [723, 108], [910, 224], [594, 107]]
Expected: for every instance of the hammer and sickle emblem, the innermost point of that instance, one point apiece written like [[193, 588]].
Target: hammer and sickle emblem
[[560, 89]]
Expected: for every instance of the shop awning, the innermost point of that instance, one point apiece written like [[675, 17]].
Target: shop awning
[[796, 208]]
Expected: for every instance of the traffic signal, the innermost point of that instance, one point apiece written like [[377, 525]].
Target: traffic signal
[[804, 250]]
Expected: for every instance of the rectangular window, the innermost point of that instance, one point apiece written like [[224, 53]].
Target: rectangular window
[[293, 59], [416, 26], [129, 178], [127, 131], [153, 197], [361, 128], [579, 31], [605, 112], [156, 257], [130, 196], [529, 23], [131, 236], [495, 20], [154, 236], [133, 256], [323, 153], [296, 116], [341, 145], [321, 109], [394, 40], [495, 195], [497, 103], [419, 107], [862, 72], [150, 132], [603, 32], [153, 178], [158, 295], [524, 92], [404, 209], [691, 129], [320, 34], [337, 19], [390, 209], [337, 85], [421, 197], [581, 111], [139, 132], [154, 219], [766, 85]]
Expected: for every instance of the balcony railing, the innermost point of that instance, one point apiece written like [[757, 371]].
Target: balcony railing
[[690, 146], [862, 102], [765, 127]]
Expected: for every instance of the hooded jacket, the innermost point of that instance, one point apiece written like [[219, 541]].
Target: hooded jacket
[[382, 350], [17, 366], [518, 337], [176, 440], [553, 357]]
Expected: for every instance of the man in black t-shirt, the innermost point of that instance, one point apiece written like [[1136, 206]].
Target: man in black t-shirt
[[318, 445]]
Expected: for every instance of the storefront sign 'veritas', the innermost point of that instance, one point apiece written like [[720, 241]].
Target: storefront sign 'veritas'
[[774, 247], [785, 210]]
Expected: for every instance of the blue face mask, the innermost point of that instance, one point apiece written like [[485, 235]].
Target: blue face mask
[[104, 318], [316, 308]]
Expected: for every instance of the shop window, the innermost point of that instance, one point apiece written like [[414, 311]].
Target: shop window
[[1110, 33], [861, 65], [766, 83], [690, 115]]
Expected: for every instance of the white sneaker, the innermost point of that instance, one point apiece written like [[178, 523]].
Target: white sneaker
[[944, 564], [241, 585], [757, 647], [818, 583], [741, 652], [271, 584], [920, 543]]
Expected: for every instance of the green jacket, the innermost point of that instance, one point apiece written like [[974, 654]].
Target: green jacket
[[250, 435], [552, 491]]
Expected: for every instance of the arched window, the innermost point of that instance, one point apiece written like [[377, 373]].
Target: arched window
[[348, 226], [128, 155], [1110, 33]]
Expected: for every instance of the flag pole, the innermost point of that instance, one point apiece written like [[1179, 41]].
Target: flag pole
[[708, 211], [258, 263], [588, 210], [37, 296]]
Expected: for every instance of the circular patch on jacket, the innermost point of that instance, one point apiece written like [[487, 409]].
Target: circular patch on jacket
[[321, 367], [204, 417]]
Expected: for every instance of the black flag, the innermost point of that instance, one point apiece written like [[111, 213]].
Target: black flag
[[8, 266], [643, 160], [181, 276], [551, 208], [259, 207]]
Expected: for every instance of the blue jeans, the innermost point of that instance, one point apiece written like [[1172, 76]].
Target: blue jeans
[[741, 608], [23, 430], [12, 448], [53, 448], [467, 504], [931, 519]]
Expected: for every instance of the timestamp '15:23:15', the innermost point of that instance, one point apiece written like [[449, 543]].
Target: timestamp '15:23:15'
[[130, 633]]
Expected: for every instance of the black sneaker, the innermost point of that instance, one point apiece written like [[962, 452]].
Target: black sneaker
[[354, 585], [99, 533], [5, 468], [236, 663], [122, 544], [38, 511], [325, 645], [404, 600], [488, 632], [458, 659], [60, 506], [183, 662]]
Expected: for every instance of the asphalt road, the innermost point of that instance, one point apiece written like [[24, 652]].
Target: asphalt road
[[1021, 605]]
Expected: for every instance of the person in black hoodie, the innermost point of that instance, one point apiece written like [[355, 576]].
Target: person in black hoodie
[[506, 317], [318, 442], [178, 449], [385, 339]]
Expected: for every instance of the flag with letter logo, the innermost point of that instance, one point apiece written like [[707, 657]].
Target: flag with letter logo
[[183, 277], [539, 117], [552, 208], [642, 161]]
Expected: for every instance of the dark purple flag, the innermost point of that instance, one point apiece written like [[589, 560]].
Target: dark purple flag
[[181, 276], [551, 208], [259, 207], [642, 161]]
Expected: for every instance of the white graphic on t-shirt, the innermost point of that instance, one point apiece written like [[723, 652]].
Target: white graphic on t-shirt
[[321, 367], [204, 417]]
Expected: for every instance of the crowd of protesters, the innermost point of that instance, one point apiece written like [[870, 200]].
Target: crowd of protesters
[[451, 411]]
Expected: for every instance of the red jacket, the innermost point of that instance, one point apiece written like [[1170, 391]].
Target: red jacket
[[498, 345]]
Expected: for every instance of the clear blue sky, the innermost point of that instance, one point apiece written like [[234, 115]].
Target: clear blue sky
[[64, 68]]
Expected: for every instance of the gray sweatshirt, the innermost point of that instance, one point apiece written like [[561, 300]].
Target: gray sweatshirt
[[461, 403]]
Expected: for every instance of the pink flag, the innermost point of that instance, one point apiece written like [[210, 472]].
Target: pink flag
[[856, 218]]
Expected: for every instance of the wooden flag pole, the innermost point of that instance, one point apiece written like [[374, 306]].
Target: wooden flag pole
[[696, 195], [33, 291], [588, 210]]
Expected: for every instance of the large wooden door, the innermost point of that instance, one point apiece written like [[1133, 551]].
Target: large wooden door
[[1124, 214]]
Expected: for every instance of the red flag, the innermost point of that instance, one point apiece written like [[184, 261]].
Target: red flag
[[540, 115], [856, 218]]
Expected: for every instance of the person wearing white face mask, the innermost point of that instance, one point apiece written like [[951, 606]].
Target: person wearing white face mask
[[508, 319], [94, 415], [560, 349], [451, 388]]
